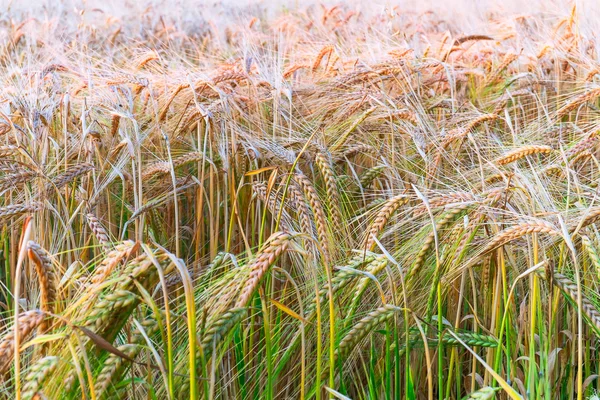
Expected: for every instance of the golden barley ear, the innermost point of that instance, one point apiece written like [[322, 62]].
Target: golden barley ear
[[46, 277], [28, 322], [519, 230], [317, 208], [382, 217], [323, 162], [98, 230], [275, 246], [522, 152]]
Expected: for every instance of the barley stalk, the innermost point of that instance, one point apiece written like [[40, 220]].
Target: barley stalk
[[582, 146], [302, 208]]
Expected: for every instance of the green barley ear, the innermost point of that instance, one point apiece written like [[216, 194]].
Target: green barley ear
[[108, 308], [341, 279], [569, 289], [38, 374], [218, 329], [115, 364], [371, 175], [592, 252], [485, 393], [471, 339], [365, 326], [374, 267], [112, 367]]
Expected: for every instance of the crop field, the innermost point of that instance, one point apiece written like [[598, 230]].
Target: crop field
[[302, 201]]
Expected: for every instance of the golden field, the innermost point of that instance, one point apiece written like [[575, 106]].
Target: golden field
[[312, 201]]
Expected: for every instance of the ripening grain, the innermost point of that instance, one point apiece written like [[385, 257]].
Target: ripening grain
[[313, 201]]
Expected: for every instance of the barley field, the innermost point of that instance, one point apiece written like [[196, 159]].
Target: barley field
[[299, 201]]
